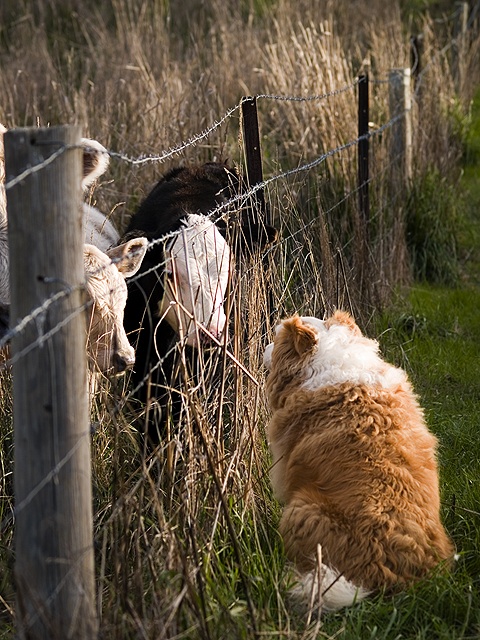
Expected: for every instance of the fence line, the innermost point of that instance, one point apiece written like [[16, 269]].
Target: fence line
[[181, 146], [42, 309], [198, 137], [245, 195], [322, 96], [216, 213]]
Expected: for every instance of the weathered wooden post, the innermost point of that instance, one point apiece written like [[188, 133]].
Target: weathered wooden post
[[253, 157], [400, 99], [54, 567], [258, 211], [460, 44]]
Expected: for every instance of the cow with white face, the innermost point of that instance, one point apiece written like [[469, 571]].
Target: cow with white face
[[176, 302], [197, 266]]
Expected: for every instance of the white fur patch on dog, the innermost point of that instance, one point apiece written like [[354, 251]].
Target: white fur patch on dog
[[327, 590], [345, 356], [342, 355]]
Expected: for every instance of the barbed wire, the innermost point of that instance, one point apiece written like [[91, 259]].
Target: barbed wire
[[325, 212], [38, 167], [214, 215], [321, 96], [181, 146], [177, 149]]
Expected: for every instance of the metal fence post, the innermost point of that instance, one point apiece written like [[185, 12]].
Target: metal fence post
[[363, 153]]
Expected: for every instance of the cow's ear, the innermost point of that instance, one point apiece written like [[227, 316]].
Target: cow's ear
[[95, 161], [128, 256]]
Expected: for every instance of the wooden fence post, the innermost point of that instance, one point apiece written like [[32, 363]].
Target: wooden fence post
[[253, 157], [253, 154], [54, 566], [400, 99], [258, 209], [363, 232], [460, 44]]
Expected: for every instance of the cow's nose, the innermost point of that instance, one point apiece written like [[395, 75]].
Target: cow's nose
[[215, 334], [122, 363], [205, 339]]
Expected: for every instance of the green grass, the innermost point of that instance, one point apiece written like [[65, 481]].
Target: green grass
[[432, 221]]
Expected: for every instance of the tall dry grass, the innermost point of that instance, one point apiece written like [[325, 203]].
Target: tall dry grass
[[186, 540]]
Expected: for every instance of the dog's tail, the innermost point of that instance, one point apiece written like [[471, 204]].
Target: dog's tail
[[324, 589]]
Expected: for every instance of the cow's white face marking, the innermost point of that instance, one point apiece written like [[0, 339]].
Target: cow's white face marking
[[197, 272]]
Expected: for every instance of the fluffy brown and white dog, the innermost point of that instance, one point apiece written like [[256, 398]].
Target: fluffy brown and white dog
[[353, 461]]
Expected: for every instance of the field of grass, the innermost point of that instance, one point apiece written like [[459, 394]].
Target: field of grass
[[186, 540]]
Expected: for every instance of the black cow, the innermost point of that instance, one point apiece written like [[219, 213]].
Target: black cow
[[176, 300]]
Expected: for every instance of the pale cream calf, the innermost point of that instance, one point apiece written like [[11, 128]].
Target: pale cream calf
[[107, 343]]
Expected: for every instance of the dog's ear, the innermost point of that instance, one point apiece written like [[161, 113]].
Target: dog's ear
[[343, 317], [303, 337]]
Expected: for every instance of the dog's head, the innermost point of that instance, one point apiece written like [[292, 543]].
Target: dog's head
[[298, 339], [309, 353]]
